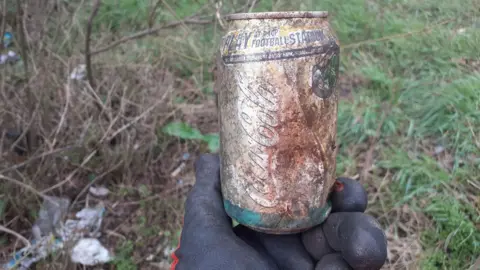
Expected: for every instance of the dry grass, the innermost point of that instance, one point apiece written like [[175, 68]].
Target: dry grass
[[108, 135], [59, 136]]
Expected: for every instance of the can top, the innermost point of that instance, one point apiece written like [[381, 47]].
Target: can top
[[277, 15]]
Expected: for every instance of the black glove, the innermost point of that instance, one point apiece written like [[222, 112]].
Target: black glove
[[348, 239]]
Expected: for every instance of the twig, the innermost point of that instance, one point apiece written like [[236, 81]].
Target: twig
[[32, 105], [252, 6], [182, 22], [151, 17], [45, 154], [426, 29], [95, 180], [147, 111], [4, 22], [69, 177], [14, 233], [149, 32], [88, 63], [64, 113], [22, 38], [159, 195], [16, 182], [194, 19]]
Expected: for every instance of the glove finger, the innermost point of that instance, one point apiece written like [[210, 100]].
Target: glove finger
[[315, 242], [333, 261], [287, 251], [204, 206], [251, 239], [348, 196], [359, 239]]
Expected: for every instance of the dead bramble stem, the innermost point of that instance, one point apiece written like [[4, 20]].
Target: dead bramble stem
[[14, 233], [150, 31], [88, 63], [33, 190], [4, 21]]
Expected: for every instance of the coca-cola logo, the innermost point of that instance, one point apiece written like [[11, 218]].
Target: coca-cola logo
[[258, 119]]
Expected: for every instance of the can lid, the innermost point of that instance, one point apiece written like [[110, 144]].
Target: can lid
[[277, 15]]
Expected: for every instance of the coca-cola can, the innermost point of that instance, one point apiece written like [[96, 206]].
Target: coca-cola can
[[277, 103]]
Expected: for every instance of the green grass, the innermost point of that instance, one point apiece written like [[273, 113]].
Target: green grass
[[426, 100], [123, 259], [421, 98], [418, 94]]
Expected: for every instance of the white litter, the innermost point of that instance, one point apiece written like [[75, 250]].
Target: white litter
[[79, 73], [99, 191], [51, 232], [89, 251], [9, 57], [87, 225]]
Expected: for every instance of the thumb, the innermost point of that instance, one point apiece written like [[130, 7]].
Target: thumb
[[204, 209]]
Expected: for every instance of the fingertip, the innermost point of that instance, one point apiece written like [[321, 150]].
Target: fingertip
[[287, 250], [316, 243], [208, 159], [359, 238], [339, 226], [332, 262], [348, 196], [330, 228], [207, 169], [366, 249]]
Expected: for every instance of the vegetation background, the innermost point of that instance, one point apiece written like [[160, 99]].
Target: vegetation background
[[409, 118]]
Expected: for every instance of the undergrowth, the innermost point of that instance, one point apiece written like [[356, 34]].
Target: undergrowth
[[408, 122]]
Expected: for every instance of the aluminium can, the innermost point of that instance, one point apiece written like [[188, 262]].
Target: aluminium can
[[277, 102]]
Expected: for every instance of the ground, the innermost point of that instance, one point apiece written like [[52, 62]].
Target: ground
[[409, 118]]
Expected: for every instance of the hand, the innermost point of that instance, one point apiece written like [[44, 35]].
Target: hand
[[348, 239]]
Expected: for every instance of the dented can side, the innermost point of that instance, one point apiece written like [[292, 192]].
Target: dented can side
[[278, 116]]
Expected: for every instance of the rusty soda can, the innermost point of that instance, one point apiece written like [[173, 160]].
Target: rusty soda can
[[277, 103]]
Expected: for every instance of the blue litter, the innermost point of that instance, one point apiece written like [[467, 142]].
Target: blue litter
[[7, 39]]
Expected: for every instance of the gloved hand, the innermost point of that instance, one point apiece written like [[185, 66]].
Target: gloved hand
[[348, 239]]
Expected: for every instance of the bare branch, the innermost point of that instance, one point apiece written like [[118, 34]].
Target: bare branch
[[33, 190], [88, 63], [150, 32], [14, 233], [193, 19], [153, 13], [4, 21]]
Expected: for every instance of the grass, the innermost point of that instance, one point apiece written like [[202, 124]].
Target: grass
[[409, 120]]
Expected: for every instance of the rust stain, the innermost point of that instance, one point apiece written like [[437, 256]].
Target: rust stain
[[278, 136], [296, 146]]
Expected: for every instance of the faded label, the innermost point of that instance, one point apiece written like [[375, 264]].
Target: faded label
[[258, 119], [241, 46]]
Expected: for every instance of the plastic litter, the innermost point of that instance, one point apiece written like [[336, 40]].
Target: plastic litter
[[79, 73], [89, 251], [7, 39], [51, 232], [9, 57], [439, 149], [26, 257], [99, 191], [182, 165]]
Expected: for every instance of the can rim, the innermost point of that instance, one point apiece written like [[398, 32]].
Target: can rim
[[277, 15]]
